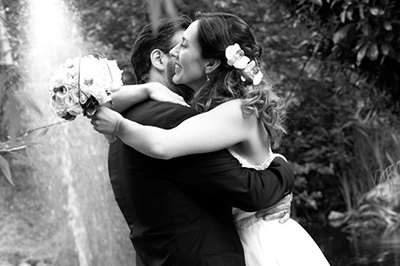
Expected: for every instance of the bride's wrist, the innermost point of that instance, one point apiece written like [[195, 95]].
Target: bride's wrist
[[118, 126], [148, 90]]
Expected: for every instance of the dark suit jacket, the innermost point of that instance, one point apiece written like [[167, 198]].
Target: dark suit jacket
[[179, 210]]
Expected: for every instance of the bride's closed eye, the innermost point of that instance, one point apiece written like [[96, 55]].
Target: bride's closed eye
[[183, 44]]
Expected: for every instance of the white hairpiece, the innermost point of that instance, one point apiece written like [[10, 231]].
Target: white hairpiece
[[238, 60]]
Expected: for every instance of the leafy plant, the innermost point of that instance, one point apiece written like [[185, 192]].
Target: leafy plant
[[13, 140], [378, 207], [372, 194], [363, 36]]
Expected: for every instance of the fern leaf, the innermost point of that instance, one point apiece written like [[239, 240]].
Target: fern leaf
[[4, 166]]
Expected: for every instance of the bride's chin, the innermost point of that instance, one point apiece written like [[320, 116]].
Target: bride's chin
[[176, 79]]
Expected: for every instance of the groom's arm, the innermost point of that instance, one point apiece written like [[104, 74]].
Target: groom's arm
[[221, 175]]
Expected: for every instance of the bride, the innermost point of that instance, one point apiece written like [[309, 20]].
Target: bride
[[218, 59]]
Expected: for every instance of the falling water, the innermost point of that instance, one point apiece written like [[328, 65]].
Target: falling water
[[66, 214], [61, 210], [53, 36]]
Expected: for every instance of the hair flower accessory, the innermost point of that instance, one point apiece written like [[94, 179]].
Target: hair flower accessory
[[254, 72], [236, 57]]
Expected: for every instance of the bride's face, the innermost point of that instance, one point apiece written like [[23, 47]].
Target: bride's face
[[176, 40], [189, 64]]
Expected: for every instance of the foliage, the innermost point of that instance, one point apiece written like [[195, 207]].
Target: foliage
[[13, 140], [371, 195], [363, 36], [340, 99], [114, 34], [378, 208]]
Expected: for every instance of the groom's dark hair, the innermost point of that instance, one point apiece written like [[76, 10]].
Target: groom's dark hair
[[152, 37]]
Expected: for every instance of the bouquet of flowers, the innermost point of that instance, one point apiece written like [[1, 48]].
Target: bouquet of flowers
[[81, 83]]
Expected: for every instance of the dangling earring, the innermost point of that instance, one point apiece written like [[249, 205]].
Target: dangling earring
[[208, 79]]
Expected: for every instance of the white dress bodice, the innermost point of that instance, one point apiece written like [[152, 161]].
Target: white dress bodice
[[270, 242]]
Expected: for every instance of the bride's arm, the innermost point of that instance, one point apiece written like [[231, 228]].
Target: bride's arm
[[219, 128], [130, 95]]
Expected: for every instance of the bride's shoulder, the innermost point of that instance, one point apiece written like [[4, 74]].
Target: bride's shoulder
[[233, 105], [232, 111], [231, 108]]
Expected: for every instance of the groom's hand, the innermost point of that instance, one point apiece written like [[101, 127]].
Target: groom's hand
[[280, 210]]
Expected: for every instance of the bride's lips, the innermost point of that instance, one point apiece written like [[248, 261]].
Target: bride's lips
[[177, 67]]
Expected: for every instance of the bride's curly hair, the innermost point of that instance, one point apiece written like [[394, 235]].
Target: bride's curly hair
[[216, 32]]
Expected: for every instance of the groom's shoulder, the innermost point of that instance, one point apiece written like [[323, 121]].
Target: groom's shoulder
[[161, 114]]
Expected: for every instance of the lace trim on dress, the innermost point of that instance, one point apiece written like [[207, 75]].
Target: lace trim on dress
[[246, 164]]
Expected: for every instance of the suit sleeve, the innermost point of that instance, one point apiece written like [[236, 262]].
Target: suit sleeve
[[219, 174]]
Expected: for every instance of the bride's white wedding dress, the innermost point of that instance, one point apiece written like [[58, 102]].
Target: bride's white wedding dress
[[270, 243]]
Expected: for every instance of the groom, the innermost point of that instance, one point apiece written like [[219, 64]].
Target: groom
[[179, 211]]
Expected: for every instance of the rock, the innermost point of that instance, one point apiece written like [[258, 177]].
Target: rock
[[386, 192], [336, 218]]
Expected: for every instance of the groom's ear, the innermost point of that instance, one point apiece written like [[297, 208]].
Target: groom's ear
[[157, 58], [212, 65]]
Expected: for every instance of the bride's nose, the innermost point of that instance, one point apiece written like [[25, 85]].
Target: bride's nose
[[175, 51]]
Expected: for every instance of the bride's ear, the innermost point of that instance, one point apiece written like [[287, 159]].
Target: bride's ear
[[157, 58], [212, 65]]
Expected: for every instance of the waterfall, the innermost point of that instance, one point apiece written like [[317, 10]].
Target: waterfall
[[53, 36], [74, 214], [5, 47]]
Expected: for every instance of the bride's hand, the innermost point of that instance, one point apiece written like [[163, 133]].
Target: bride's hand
[[105, 120], [160, 93]]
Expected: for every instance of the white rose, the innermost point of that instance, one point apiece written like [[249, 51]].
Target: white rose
[[100, 94], [116, 75]]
